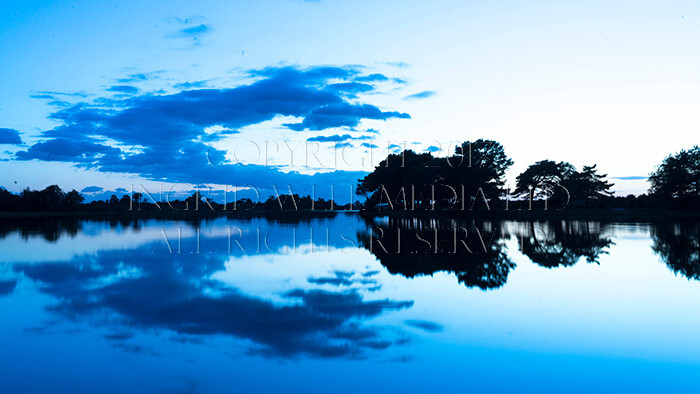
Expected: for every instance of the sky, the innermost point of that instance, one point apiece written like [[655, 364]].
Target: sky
[[105, 95]]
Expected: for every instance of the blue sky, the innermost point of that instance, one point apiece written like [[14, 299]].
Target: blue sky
[[176, 93]]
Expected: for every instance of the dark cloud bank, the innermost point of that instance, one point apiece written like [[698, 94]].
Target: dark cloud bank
[[10, 137], [168, 130]]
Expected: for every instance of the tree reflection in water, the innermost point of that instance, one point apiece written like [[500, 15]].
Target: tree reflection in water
[[136, 289], [561, 243], [473, 250], [678, 245]]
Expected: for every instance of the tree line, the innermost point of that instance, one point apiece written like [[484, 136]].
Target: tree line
[[54, 199], [472, 178]]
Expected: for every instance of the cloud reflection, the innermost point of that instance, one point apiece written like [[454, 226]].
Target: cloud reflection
[[140, 289]]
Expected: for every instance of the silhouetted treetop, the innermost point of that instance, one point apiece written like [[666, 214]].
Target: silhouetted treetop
[[588, 184], [678, 175], [561, 181], [543, 173], [412, 180]]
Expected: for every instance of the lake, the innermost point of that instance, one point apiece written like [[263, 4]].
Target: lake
[[344, 304]]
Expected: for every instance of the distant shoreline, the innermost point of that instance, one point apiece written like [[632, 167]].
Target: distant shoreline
[[571, 214], [171, 214]]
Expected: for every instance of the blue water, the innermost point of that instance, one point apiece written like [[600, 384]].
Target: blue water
[[341, 304]]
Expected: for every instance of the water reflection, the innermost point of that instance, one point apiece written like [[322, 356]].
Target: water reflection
[[51, 228], [474, 251], [560, 243], [148, 287], [678, 245], [243, 297]]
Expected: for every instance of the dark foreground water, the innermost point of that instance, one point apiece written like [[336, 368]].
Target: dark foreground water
[[340, 304]]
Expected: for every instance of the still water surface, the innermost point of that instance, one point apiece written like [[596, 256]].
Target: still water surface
[[342, 304]]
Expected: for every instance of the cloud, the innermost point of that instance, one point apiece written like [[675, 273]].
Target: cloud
[[126, 89], [42, 96], [331, 138], [350, 89], [163, 137], [421, 95], [55, 102], [372, 78], [340, 138], [196, 31], [59, 103], [91, 189], [630, 178], [133, 78], [344, 145], [369, 145], [424, 325], [10, 137], [343, 114], [432, 149], [65, 149], [397, 64], [395, 148], [190, 85], [139, 77], [69, 94], [192, 28]]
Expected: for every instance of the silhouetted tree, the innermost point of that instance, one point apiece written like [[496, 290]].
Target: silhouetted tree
[[8, 201], [411, 180], [396, 176], [73, 200], [588, 184], [560, 182], [543, 177], [137, 198], [677, 176], [477, 170]]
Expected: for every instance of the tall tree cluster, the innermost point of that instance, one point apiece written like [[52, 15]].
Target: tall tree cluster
[[677, 176], [413, 180], [474, 176], [560, 181]]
